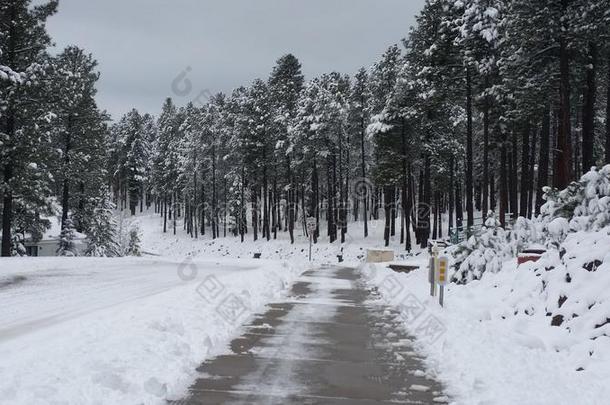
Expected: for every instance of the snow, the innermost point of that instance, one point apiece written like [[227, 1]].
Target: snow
[[134, 330], [154, 242], [559, 228], [496, 343], [126, 330]]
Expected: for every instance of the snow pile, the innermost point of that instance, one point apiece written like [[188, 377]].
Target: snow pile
[[572, 292], [494, 342], [121, 330]]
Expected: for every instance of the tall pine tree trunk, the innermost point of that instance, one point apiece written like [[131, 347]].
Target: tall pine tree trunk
[[543, 160], [65, 194], [425, 226], [165, 213], [333, 198], [563, 158], [503, 184], [203, 204], [195, 212], [439, 210], [451, 195], [525, 174], [406, 209], [174, 210], [266, 233], [255, 212], [469, 153], [9, 137], [7, 197], [588, 110], [363, 173], [276, 212], [291, 213], [514, 198], [242, 204], [459, 210], [608, 115], [393, 213], [532, 171], [214, 212], [387, 205], [485, 181], [341, 207], [493, 203], [315, 201]]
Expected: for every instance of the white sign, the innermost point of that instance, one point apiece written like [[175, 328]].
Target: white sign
[[311, 224]]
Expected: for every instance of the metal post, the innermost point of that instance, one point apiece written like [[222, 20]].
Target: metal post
[[312, 225], [310, 242], [441, 295], [433, 275]]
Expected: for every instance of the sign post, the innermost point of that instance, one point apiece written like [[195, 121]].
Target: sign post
[[443, 263], [432, 275], [311, 228], [437, 273]]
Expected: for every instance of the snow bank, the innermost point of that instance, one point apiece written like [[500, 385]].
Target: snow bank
[[534, 334], [494, 343], [121, 331]]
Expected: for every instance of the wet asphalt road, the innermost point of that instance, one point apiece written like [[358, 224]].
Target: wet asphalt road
[[330, 342]]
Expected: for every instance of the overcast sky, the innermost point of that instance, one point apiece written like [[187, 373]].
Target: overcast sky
[[143, 45]]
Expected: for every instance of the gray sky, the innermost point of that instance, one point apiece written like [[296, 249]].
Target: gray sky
[[143, 45]]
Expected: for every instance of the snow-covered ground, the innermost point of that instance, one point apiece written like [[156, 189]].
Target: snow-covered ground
[[154, 241], [494, 342], [133, 330], [121, 331]]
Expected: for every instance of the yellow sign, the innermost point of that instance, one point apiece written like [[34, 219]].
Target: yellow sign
[[443, 263]]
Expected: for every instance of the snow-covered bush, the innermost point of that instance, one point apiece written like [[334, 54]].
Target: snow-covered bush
[[524, 233], [556, 231], [17, 246], [133, 247], [584, 204], [102, 234], [482, 252], [67, 247]]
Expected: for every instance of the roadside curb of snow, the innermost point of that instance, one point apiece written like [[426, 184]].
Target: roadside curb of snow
[[493, 350], [283, 276], [139, 327]]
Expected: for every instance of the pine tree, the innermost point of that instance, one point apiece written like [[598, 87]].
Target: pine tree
[[67, 247], [358, 120], [23, 40], [102, 234], [285, 84], [78, 131], [483, 252], [166, 159]]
